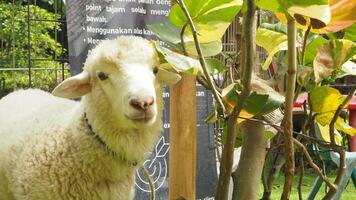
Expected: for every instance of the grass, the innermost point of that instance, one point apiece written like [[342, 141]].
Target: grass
[[348, 194]]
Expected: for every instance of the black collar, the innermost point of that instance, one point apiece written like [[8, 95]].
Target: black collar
[[103, 143]]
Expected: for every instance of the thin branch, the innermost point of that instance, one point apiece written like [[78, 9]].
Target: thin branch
[[305, 43], [182, 39], [288, 117], [150, 182], [300, 184], [337, 113], [313, 165], [203, 64]]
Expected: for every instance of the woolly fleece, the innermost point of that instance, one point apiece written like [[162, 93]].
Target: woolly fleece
[[47, 151]]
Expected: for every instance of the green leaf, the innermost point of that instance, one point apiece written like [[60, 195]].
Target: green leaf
[[271, 5], [262, 100], [170, 34], [211, 17], [278, 27], [332, 56], [208, 49], [272, 42], [178, 62], [255, 102], [215, 66], [167, 32], [350, 33], [325, 101], [312, 49], [269, 135], [212, 117]]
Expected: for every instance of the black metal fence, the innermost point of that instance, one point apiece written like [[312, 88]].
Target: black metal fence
[[33, 44]]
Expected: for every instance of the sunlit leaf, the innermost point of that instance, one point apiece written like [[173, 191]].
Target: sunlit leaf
[[342, 15], [178, 62], [349, 68], [323, 132], [337, 15], [208, 49], [211, 17], [340, 125], [315, 13], [272, 42], [332, 56], [170, 34], [325, 101]]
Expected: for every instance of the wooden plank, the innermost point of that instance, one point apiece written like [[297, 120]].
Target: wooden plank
[[182, 157]]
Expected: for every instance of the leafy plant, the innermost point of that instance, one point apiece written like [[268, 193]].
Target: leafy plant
[[15, 49]]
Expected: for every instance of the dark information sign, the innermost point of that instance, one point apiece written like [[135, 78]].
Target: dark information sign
[[91, 21]]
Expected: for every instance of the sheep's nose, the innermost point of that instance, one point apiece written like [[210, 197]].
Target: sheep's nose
[[142, 104]]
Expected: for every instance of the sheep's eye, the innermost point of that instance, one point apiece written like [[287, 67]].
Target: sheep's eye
[[102, 76], [155, 70]]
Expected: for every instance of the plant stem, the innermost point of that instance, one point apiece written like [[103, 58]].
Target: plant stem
[[300, 184], [249, 25], [305, 43], [288, 118], [202, 61], [150, 182], [182, 39], [313, 165]]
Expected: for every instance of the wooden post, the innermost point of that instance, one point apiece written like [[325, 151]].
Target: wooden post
[[182, 153], [182, 157]]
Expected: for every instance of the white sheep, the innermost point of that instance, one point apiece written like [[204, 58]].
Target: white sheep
[[53, 148]]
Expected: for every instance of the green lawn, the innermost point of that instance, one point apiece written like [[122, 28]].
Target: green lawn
[[348, 194]]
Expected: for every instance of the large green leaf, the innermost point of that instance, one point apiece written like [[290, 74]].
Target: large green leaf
[[350, 33], [272, 42], [208, 49], [325, 101], [167, 32], [312, 49], [332, 56], [211, 17], [262, 100], [178, 62], [170, 34], [277, 27]]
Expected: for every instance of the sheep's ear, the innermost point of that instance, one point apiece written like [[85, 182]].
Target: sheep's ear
[[167, 77], [74, 87]]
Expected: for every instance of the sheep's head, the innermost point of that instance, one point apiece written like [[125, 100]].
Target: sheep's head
[[125, 71]]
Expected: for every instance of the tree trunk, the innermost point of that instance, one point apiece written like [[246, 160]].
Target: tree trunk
[[248, 173]]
